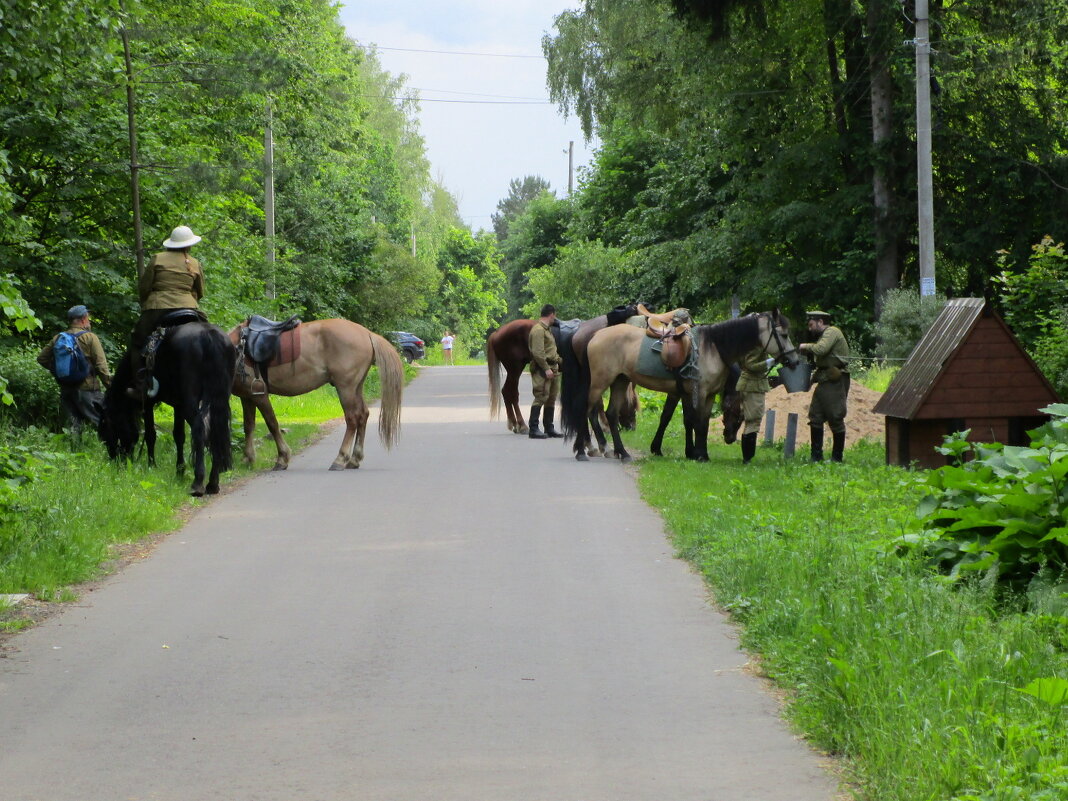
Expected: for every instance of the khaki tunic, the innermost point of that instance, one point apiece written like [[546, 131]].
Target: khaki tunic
[[830, 354], [753, 384], [172, 280], [544, 356], [94, 352]]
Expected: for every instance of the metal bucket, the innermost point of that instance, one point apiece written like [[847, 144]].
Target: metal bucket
[[797, 379]]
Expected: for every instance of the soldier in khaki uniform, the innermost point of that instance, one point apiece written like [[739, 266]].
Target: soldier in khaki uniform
[[173, 280], [830, 355], [83, 401], [544, 373], [753, 384]]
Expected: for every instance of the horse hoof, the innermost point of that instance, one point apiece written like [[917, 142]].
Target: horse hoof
[[581, 457], [626, 458], [352, 466], [594, 452], [197, 492], [279, 467], [213, 490], [336, 466]]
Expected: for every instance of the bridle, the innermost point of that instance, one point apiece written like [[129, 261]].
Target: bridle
[[774, 334]]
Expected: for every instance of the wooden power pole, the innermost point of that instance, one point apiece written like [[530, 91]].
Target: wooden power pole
[[925, 181]]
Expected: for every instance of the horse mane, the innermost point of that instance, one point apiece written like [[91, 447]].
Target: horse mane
[[732, 338]]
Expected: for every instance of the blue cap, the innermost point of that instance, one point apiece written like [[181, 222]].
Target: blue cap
[[77, 312]]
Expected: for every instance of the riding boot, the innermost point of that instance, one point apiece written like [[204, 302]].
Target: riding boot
[[548, 413], [838, 445], [136, 390], [535, 432], [749, 445], [816, 434]]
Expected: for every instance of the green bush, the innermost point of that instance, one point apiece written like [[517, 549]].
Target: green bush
[[35, 391], [1000, 510], [905, 318]]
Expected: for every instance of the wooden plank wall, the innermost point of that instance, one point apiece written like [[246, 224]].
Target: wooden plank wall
[[989, 376]]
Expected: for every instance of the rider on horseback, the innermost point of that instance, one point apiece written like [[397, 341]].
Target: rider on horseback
[[172, 281]]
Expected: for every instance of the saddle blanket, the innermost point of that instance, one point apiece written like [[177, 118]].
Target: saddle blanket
[[651, 364], [288, 347]]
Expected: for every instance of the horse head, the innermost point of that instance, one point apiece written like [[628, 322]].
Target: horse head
[[777, 338], [731, 406]]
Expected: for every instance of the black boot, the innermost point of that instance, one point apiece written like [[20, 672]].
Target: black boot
[[535, 432], [838, 445], [748, 447], [816, 434], [548, 413]]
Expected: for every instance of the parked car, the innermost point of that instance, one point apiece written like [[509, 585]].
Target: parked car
[[410, 346]]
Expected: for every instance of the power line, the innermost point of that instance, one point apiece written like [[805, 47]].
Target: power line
[[448, 52], [469, 102]]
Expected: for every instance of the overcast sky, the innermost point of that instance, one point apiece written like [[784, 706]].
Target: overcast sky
[[476, 148]]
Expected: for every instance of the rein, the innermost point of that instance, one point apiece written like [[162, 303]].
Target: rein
[[774, 334]]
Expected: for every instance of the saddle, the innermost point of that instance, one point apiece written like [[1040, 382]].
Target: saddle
[[170, 320], [264, 343], [672, 323]]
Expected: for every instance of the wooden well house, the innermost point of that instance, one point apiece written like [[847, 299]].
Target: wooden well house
[[967, 372]]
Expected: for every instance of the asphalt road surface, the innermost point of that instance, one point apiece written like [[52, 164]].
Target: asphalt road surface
[[473, 616]]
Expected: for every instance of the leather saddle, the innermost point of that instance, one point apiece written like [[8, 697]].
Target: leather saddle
[[672, 330], [263, 342]]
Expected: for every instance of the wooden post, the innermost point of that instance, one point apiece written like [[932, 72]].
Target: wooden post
[[791, 435], [769, 427]]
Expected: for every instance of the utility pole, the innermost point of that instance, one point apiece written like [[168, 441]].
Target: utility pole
[[268, 198], [570, 167], [131, 124], [925, 183]]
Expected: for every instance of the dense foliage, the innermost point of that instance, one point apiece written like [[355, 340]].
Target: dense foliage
[[1000, 509], [766, 149], [359, 223]]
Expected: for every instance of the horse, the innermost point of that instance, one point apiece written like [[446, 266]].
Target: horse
[[194, 369], [509, 347], [335, 351], [730, 403], [612, 361]]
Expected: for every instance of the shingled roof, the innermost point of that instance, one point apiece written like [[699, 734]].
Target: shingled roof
[[928, 361]]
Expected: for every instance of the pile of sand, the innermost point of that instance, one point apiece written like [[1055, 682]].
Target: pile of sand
[[861, 422]]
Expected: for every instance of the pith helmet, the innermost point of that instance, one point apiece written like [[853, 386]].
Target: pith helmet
[[181, 237]]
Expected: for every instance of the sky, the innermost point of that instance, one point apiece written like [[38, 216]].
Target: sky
[[477, 148]]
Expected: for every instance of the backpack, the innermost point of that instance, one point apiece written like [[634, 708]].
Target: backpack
[[71, 366]]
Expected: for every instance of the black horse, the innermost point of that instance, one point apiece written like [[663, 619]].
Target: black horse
[[194, 367]]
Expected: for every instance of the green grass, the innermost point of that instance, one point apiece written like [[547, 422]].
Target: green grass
[[64, 526], [915, 683]]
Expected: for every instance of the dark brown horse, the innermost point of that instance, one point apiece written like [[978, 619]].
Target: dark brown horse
[[337, 352], [612, 359], [508, 347]]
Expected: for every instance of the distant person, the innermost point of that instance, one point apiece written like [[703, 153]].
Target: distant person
[[544, 373], [81, 399], [753, 385], [829, 354], [173, 280], [446, 346]]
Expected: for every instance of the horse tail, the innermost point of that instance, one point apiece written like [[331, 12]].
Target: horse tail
[[219, 384], [493, 366], [574, 396], [391, 380]]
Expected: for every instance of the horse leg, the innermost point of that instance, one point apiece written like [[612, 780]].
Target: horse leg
[[598, 433], [198, 436], [615, 401], [248, 424], [356, 414], [670, 404], [510, 392], [149, 422], [270, 419], [178, 433]]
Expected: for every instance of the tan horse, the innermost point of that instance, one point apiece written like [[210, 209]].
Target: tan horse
[[338, 352], [612, 359]]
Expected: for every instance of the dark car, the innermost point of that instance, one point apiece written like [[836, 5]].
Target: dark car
[[411, 346]]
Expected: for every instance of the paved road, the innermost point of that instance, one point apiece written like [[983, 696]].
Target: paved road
[[421, 629]]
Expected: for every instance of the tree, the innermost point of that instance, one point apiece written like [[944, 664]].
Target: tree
[[533, 239], [520, 193], [472, 292]]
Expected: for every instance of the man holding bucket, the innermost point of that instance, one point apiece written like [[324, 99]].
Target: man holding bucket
[[830, 354]]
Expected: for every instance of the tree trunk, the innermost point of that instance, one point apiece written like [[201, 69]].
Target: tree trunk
[[886, 250]]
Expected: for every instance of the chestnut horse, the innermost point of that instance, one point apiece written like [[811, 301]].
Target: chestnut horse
[[509, 347], [612, 359], [338, 352]]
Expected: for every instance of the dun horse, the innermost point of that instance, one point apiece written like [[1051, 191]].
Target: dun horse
[[338, 352], [508, 347], [194, 368], [612, 359]]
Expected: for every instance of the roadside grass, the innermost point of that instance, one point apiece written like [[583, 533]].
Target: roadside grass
[[65, 525], [915, 683]]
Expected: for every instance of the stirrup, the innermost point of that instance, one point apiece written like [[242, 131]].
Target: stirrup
[[257, 386]]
